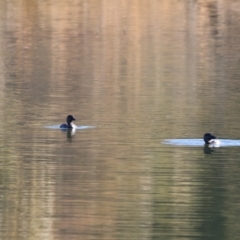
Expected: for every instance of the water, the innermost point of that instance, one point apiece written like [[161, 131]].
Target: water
[[134, 74]]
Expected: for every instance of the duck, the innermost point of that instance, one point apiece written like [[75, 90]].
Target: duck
[[69, 124], [210, 139]]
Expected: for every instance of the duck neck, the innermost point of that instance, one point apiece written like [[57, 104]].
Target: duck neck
[[69, 124]]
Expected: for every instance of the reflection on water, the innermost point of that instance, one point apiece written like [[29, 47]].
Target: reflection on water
[[65, 129], [69, 132], [138, 72], [200, 142], [208, 150]]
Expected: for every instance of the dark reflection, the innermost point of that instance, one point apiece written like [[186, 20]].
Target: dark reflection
[[70, 132], [212, 209], [213, 15], [207, 149]]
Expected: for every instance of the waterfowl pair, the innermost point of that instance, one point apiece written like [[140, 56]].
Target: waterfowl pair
[[208, 137]]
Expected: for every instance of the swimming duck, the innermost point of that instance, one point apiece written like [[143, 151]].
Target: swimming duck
[[69, 123], [209, 138]]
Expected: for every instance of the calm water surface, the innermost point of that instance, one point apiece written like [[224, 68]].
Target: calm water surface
[[138, 72]]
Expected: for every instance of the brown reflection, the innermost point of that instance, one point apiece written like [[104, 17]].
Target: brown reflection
[[140, 71]]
